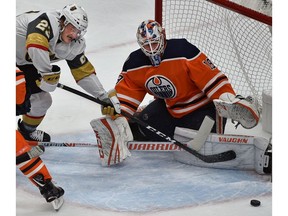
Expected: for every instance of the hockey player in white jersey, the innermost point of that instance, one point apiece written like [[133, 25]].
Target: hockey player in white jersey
[[42, 38]]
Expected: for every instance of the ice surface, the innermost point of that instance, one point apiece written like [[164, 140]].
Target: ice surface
[[146, 183]]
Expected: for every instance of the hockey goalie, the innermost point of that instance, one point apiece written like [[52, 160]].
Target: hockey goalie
[[186, 86]]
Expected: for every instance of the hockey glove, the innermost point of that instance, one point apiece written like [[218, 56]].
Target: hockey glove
[[240, 109], [49, 80], [113, 109]]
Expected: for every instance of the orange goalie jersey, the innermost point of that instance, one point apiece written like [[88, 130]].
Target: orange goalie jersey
[[186, 79]]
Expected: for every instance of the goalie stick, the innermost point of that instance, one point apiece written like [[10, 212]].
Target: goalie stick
[[202, 135], [220, 157]]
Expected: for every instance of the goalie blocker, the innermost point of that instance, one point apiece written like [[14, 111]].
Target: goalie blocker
[[252, 153]]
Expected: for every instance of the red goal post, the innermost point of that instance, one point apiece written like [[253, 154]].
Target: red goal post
[[235, 34], [261, 10]]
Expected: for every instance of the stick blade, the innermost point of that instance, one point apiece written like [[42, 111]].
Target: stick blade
[[202, 135]]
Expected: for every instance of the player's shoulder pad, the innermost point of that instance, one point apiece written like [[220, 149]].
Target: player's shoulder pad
[[180, 48], [41, 25], [136, 59]]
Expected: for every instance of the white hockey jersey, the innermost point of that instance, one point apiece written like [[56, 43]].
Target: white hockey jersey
[[38, 42]]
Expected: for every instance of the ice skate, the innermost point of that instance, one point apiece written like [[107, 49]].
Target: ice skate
[[50, 192], [36, 135]]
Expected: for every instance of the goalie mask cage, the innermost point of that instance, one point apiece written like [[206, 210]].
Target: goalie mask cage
[[236, 37]]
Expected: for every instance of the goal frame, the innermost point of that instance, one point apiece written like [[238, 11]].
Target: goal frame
[[226, 4]]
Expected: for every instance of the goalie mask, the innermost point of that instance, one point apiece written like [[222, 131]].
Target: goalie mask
[[76, 16], [151, 39]]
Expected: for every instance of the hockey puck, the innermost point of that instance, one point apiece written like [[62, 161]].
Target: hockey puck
[[255, 203]]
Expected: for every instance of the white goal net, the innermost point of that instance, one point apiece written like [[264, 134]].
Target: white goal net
[[238, 45]]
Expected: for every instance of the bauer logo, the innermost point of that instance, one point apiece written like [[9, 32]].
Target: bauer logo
[[161, 87]]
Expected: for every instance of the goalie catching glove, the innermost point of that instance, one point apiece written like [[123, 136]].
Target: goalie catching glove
[[113, 105], [243, 110], [112, 137], [49, 80]]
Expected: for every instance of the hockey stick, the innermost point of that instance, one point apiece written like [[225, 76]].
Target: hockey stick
[[202, 135], [132, 145], [220, 157], [61, 144]]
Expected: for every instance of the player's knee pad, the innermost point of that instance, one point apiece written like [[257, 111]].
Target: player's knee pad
[[40, 103]]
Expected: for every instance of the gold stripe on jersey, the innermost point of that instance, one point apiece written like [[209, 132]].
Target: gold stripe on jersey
[[83, 71], [37, 40], [33, 121]]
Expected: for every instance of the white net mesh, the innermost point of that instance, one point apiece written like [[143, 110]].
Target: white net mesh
[[261, 6], [241, 47]]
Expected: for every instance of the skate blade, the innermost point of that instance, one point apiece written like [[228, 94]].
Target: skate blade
[[57, 203]]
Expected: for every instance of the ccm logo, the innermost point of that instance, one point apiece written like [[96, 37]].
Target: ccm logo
[[100, 147]]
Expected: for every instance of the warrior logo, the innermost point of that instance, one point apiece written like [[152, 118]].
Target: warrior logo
[[161, 87]]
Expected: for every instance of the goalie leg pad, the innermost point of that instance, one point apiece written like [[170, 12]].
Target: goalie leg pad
[[112, 137], [216, 144], [252, 152], [263, 160]]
